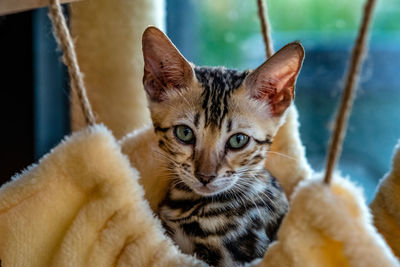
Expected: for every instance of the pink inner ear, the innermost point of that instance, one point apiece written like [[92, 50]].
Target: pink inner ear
[[159, 76], [165, 68], [277, 90]]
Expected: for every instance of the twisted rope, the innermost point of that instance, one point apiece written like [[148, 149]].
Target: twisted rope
[[64, 39], [265, 30], [346, 103]]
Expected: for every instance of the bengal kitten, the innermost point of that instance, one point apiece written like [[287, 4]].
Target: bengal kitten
[[215, 127]]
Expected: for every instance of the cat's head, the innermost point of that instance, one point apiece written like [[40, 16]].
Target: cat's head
[[215, 125]]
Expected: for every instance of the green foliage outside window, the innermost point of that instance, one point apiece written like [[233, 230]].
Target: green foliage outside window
[[227, 24]]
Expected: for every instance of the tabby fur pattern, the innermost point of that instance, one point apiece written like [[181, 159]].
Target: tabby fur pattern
[[215, 127]]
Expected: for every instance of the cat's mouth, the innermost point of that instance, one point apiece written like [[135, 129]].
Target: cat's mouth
[[216, 187]]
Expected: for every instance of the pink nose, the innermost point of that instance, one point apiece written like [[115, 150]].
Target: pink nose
[[204, 179]]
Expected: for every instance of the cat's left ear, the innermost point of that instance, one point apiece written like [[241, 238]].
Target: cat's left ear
[[274, 81]]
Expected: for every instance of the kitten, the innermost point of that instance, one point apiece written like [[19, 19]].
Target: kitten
[[214, 128]]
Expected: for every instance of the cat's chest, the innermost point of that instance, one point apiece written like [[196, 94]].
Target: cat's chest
[[221, 236], [225, 231]]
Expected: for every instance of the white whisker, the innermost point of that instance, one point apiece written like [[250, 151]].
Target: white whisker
[[282, 155]]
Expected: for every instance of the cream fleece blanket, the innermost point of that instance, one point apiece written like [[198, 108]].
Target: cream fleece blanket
[[82, 205], [328, 226]]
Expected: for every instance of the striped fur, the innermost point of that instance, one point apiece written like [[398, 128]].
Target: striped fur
[[222, 205], [235, 226], [229, 229], [218, 84]]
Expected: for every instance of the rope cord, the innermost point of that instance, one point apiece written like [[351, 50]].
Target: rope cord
[[64, 39], [346, 103], [265, 30]]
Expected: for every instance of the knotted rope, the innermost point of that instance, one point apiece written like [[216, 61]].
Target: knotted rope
[[64, 39], [347, 101]]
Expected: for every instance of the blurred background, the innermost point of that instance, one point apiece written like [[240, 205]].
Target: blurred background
[[35, 117], [227, 32]]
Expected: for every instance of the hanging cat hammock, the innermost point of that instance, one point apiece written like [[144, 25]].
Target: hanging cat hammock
[[84, 204]]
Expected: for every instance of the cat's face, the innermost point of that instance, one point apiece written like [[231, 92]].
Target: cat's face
[[215, 125]]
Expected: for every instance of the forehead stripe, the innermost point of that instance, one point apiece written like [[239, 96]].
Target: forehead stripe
[[218, 85], [229, 126], [158, 128], [196, 119], [263, 142]]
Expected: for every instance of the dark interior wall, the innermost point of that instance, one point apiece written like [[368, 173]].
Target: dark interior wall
[[34, 109], [16, 90], [51, 89]]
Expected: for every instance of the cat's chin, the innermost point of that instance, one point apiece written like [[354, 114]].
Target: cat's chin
[[210, 189], [205, 191]]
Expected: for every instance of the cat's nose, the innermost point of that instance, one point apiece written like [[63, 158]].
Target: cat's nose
[[203, 178]]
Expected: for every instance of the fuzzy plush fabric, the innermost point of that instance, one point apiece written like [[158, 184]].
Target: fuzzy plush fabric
[[328, 226], [386, 205], [108, 37], [82, 206], [137, 146], [325, 226], [287, 160]]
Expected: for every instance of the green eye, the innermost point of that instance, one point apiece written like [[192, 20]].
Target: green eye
[[237, 141], [184, 134]]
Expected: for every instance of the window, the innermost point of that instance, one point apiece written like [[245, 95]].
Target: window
[[227, 32]]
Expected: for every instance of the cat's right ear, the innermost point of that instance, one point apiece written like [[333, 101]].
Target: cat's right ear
[[164, 66], [274, 81]]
